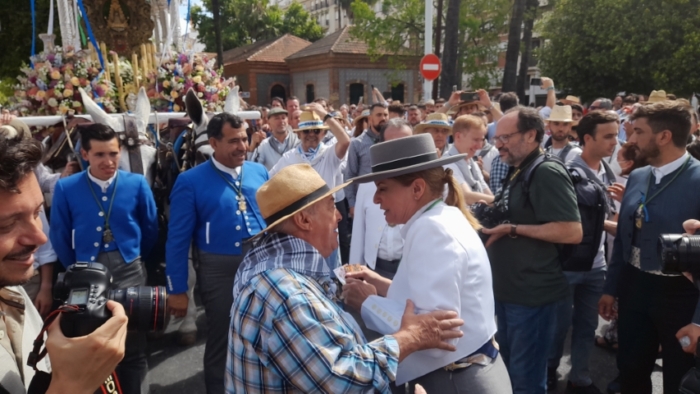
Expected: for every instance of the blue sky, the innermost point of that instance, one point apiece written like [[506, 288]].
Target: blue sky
[[183, 6]]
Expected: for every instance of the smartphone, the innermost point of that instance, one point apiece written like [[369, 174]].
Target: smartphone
[[372, 86], [469, 96], [535, 81], [359, 102], [454, 88]]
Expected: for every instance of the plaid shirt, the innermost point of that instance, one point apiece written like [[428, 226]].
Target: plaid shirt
[[499, 171], [287, 336], [358, 161]]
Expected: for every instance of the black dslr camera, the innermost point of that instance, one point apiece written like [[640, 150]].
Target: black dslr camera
[[489, 217], [85, 289], [679, 253]]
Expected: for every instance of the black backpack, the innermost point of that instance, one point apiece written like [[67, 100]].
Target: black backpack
[[593, 207]]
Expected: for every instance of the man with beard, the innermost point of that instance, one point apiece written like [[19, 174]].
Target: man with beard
[[414, 115], [527, 278], [213, 206], [358, 154], [328, 160], [654, 305], [269, 150], [560, 125], [79, 365]]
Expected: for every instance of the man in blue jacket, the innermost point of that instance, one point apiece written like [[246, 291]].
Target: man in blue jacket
[[108, 216], [214, 205]]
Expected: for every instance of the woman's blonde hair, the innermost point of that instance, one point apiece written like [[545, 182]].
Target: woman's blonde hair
[[435, 179]]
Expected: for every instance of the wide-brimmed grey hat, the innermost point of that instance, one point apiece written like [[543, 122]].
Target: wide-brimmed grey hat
[[404, 156]]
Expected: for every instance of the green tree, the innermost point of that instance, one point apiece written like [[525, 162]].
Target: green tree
[[16, 33], [598, 47], [246, 21]]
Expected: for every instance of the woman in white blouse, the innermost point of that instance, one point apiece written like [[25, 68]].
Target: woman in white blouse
[[444, 266]]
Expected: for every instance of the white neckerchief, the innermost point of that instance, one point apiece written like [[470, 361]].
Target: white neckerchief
[[234, 172], [104, 185], [660, 172]]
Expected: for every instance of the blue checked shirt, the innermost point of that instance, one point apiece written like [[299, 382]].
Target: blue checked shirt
[[287, 337], [499, 171], [359, 162]]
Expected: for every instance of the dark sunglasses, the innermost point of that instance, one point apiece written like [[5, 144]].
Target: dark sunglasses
[[315, 131]]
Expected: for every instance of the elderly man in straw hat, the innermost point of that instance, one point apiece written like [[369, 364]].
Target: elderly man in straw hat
[[560, 123], [329, 160], [287, 333], [439, 127]]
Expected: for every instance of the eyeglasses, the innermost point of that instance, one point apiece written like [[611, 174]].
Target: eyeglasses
[[315, 131], [505, 137]]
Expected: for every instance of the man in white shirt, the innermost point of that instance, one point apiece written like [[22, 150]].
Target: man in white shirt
[[559, 124], [469, 132], [329, 161], [598, 133], [375, 242]]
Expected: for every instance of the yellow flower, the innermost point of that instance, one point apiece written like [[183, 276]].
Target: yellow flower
[[176, 108], [40, 95], [197, 79], [166, 84], [199, 68], [56, 74], [174, 94], [68, 93], [75, 81]]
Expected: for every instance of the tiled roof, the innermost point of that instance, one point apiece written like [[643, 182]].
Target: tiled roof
[[273, 50], [338, 42]]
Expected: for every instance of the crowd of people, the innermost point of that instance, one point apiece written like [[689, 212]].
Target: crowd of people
[[447, 246]]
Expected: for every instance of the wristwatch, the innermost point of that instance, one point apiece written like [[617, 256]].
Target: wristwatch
[[513, 231], [328, 116]]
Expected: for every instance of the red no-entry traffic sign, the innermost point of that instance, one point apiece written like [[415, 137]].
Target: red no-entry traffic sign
[[430, 67]]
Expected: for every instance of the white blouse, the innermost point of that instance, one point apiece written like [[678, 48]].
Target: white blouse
[[444, 267]]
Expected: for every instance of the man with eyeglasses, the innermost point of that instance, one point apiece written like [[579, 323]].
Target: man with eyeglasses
[[329, 160], [527, 277], [560, 123]]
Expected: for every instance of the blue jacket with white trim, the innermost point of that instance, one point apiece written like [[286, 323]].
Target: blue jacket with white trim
[[203, 208], [77, 223]]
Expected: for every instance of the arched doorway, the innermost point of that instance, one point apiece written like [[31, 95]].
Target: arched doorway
[[278, 91], [357, 90], [397, 92]]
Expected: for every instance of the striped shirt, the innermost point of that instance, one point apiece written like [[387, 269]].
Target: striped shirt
[[359, 161], [287, 336]]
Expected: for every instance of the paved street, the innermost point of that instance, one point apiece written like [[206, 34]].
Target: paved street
[[178, 370]]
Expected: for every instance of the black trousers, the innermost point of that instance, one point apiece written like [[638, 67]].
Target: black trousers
[[652, 309], [344, 231]]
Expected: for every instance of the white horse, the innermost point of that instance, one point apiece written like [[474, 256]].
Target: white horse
[[140, 116]]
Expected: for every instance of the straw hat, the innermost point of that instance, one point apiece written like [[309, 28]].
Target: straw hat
[[459, 106], [308, 120], [363, 115], [656, 96], [404, 156], [571, 100], [560, 113], [436, 120], [291, 190]]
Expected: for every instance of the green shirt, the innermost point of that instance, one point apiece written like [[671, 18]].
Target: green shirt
[[527, 271]]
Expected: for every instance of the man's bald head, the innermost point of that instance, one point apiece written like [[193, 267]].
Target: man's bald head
[[396, 128]]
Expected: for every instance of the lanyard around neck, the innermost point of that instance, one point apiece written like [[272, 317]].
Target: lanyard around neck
[[97, 200], [644, 202], [238, 190]]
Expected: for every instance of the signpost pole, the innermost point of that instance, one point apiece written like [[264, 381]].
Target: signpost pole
[[428, 85]]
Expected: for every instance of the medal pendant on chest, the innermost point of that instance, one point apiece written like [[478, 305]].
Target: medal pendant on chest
[[639, 216], [242, 204], [107, 236]]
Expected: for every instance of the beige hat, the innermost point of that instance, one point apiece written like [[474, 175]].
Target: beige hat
[[308, 120], [289, 191], [463, 104], [656, 96], [571, 100], [436, 120], [363, 115], [560, 113]]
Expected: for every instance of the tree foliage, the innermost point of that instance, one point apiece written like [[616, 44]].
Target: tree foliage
[[399, 29], [16, 33], [601, 47], [246, 21]]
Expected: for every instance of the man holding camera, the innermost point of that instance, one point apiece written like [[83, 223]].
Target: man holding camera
[[108, 216], [79, 365], [653, 305], [524, 252]]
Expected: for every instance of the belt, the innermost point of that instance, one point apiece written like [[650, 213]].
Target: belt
[[489, 349]]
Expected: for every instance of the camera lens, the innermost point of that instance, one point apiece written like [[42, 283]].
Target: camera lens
[[678, 252], [144, 305]]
